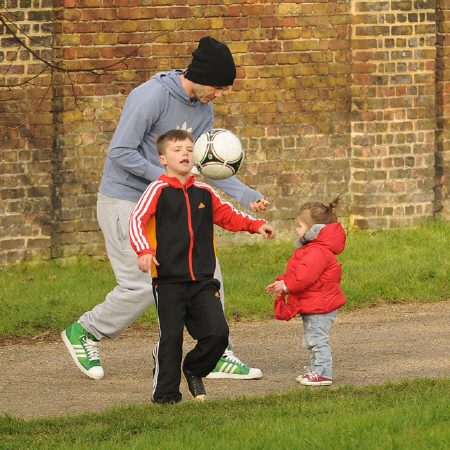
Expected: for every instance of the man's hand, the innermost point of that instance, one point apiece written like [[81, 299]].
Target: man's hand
[[145, 262], [267, 231], [260, 205]]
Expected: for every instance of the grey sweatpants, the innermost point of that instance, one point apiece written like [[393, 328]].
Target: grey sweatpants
[[133, 294]]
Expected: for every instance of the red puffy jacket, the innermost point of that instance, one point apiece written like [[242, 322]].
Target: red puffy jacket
[[313, 276]]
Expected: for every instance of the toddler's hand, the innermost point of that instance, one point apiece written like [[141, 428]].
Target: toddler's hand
[[275, 288]]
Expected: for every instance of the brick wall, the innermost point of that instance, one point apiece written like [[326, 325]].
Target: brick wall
[[393, 112], [27, 192], [331, 97], [442, 188]]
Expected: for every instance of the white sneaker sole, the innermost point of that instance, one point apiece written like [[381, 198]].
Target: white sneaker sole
[[300, 379], [199, 398], [316, 383], [97, 375], [254, 374]]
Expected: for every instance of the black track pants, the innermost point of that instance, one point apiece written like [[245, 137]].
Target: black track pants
[[197, 305]]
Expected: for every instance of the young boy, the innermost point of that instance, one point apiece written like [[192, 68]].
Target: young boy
[[172, 231]]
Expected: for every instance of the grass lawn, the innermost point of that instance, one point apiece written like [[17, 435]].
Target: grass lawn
[[378, 266], [408, 415]]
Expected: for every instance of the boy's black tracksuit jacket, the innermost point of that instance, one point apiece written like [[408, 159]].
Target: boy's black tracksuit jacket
[[174, 222]]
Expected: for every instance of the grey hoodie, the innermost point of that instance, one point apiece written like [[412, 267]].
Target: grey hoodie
[[156, 106]]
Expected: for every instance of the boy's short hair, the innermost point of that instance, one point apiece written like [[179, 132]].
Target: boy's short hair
[[172, 136]]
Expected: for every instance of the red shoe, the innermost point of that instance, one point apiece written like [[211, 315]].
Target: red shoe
[[313, 379], [307, 370]]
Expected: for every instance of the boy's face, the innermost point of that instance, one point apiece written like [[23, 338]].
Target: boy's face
[[178, 158]]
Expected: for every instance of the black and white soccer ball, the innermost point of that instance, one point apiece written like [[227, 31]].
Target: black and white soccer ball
[[218, 154]]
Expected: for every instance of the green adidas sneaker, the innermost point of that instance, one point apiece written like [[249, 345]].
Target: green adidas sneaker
[[83, 348], [229, 366]]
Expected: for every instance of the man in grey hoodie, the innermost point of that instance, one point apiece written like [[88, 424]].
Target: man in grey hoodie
[[169, 100]]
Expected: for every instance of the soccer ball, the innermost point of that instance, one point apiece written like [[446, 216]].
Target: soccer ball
[[218, 154]]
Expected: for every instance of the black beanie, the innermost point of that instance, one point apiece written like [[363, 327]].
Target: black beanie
[[212, 64]]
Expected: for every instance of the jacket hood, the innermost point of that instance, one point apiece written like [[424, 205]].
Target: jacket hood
[[332, 237], [172, 82]]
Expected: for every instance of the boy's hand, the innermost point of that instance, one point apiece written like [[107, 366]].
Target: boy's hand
[[267, 231], [275, 288], [260, 205], [145, 262]]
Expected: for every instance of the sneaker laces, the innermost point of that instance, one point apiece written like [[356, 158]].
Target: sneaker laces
[[313, 376], [91, 348], [229, 355], [197, 384]]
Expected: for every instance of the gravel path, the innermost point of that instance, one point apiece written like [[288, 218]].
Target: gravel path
[[370, 346]]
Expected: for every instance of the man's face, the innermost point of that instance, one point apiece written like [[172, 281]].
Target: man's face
[[205, 94]]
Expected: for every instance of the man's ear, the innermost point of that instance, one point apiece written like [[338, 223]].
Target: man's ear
[[162, 160]]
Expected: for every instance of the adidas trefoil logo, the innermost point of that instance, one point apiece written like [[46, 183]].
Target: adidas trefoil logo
[[184, 127]]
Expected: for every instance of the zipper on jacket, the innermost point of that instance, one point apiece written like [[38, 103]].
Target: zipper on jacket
[[191, 232]]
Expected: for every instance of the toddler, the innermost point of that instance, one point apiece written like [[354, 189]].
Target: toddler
[[311, 285]]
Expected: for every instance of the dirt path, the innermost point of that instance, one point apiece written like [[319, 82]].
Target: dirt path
[[370, 346]]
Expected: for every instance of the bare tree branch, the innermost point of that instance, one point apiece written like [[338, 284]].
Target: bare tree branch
[[96, 70], [27, 81], [14, 30]]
